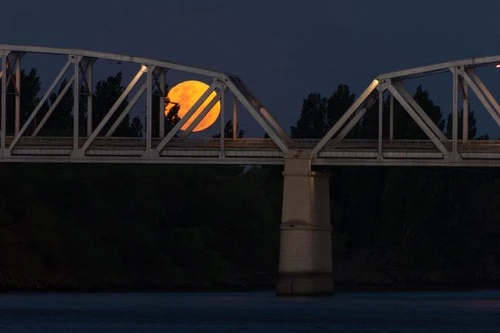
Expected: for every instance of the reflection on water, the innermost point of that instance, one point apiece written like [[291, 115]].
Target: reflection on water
[[251, 312]]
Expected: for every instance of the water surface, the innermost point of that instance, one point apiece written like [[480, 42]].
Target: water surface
[[471, 311]]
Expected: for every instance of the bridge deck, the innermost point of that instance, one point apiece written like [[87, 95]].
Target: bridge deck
[[249, 151]]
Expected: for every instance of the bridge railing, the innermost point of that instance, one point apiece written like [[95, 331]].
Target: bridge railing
[[252, 143], [114, 142]]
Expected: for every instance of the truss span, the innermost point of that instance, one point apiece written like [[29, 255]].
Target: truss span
[[76, 79], [457, 149], [92, 139]]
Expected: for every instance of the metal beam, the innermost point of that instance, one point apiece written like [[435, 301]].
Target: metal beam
[[465, 111], [113, 109], [380, 121], [3, 98], [258, 115], [53, 106], [235, 118], [478, 92], [341, 122], [275, 125], [76, 104], [114, 57], [489, 96], [203, 113], [41, 103], [391, 117], [149, 109], [439, 68], [184, 119], [347, 128], [17, 89], [127, 109], [161, 115], [222, 125], [90, 93], [418, 109], [454, 131], [418, 120]]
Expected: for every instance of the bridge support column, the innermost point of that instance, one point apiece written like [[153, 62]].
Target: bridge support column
[[305, 263]]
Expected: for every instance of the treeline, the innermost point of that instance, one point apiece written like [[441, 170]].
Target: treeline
[[408, 226], [186, 226]]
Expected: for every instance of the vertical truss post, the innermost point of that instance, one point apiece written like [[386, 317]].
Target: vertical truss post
[[149, 109], [90, 94], [3, 126], [454, 135], [465, 111], [380, 119], [471, 73], [222, 134], [112, 110], [481, 92], [235, 118], [161, 112], [391, 117], [420, 122], [18, 94], [76, 102], [41, 103]]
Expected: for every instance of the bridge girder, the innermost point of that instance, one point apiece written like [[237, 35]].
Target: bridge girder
[[448, 151], [96, 145], [79, 66]]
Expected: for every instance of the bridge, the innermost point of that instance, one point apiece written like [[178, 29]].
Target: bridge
[[305, 257]]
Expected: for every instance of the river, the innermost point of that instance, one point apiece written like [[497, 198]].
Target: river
[[465, 311]]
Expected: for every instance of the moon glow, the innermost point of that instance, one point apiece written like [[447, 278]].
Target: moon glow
[[185, 95]]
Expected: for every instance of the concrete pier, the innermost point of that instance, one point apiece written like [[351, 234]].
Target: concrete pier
[[305, 264]]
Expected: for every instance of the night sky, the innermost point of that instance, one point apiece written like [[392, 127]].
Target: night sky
[[282, 50]]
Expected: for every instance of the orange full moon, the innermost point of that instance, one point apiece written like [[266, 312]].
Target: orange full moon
[[185, 94]]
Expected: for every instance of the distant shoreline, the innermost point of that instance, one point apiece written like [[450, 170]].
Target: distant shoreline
[[232, 289]]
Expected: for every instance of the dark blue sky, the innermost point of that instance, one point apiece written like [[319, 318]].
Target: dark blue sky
[[282, 50]]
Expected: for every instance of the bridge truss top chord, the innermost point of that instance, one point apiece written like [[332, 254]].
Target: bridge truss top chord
[[22, 138]]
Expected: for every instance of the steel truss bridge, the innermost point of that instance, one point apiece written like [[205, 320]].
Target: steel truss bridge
[[93, 142]]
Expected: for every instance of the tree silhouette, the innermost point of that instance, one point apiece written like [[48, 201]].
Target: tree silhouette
[[106, 94], [471, 122], [313, 121], [338, 104], [169, 120], [228, 131]]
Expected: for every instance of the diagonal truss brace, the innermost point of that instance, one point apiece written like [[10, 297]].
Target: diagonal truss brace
[[53, 106], [418, 109], [203, 113], [113, 109], [127, 109], [42, 102], [354, 120], [482, 93], [427, 130], [275, 132], [186, 117], [345, 117]]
